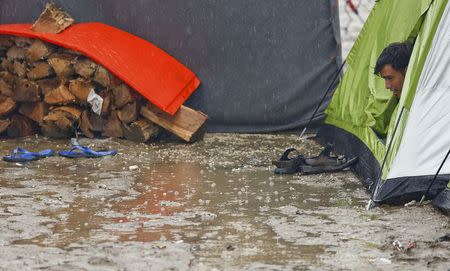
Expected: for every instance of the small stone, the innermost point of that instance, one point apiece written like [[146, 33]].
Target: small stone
[[133, 167]]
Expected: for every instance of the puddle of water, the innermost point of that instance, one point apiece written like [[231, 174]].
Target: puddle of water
[[214, 204]]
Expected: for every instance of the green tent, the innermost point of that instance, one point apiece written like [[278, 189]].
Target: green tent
[[400, 143]]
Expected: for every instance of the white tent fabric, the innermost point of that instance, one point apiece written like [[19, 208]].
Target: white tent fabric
[[426, 138]]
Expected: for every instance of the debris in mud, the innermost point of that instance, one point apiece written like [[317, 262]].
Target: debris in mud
[[397, 245], [444, 238], [231, 248], [411, 203], [133, 167], [400, 247]]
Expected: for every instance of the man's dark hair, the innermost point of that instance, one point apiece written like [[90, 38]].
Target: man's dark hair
[[396, 54]]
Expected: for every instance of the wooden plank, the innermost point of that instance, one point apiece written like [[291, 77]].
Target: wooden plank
[[187, 124]]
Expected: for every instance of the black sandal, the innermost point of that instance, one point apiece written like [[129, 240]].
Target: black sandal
[[288, 165]]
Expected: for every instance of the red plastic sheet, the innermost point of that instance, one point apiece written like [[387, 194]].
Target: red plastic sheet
[[153, 73]]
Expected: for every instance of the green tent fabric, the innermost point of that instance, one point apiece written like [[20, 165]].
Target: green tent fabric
[[361, 103], [421, 48]]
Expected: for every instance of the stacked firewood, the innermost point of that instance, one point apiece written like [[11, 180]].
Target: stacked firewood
[[45, 88]]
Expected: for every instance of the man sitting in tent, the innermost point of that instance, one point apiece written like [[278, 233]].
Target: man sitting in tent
[[391, 66]]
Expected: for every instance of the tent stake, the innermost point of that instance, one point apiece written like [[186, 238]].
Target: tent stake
[[323, 98], [371, 202], [435, 176]]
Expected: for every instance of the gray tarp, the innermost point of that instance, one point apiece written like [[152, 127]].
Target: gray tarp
[[264, 64]]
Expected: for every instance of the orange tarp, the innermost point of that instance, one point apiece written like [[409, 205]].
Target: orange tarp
[[153, 73]]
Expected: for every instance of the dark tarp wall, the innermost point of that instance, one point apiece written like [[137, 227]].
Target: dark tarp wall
[[264, 64]]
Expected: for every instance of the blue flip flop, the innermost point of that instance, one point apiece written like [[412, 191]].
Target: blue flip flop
[[78, 151], [21, 155]]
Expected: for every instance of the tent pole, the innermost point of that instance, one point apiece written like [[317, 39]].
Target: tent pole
[[323, 98], [371, 203], [435, 176]]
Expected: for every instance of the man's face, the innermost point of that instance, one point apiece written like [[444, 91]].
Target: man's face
[[393, 79]]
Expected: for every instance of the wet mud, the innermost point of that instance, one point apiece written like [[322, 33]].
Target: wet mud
[[212, 205]]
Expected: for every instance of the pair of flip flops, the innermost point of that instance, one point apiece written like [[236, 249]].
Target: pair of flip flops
[[324, 162], [21, 155]]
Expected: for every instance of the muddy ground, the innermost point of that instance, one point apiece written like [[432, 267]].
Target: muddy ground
[[211, 205]]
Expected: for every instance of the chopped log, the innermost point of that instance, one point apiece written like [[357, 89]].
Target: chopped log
[[7, 106], [105, 78], [188, 124], [38, 51], [51, 130], [15, 52], [71, 52], [80, 89], [26, 91], [7, 65], [5, 88], [59, 96], [48, 84], [122, 95], [85, 125], [106, 106], [97, 122], [4, 125], [128, 113], [40, 70], [8, 77], [6, 42], [113, 126], [52, 20], [21, 126], [85, 67], [34, 111], [64, 118], [22, 41], [74, 112], [19, 68], [140, 131], [62, 64]]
